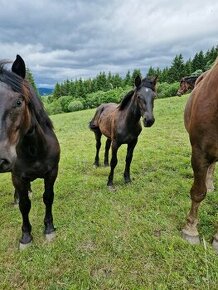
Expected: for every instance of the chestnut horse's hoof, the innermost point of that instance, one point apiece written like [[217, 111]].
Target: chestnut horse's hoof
[[193, 240], [24, 246], [50, 237]]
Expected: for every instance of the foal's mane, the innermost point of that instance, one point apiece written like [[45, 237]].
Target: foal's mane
[[146, 82], [22, 86]]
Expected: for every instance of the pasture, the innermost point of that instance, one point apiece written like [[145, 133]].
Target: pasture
[[126, 239]]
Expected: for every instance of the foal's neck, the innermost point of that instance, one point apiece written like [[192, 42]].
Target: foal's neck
[[133, 112]]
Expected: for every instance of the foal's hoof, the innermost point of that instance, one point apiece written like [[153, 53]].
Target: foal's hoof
[[193, 240], [50, 237], [24, 246], [111, 188], [127, 180]]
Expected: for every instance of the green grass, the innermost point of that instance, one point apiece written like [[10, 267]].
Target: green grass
[[127, 239]]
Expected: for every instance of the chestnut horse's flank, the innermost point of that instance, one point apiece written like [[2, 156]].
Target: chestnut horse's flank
[[29, 148], [201, 122], [121, 123]]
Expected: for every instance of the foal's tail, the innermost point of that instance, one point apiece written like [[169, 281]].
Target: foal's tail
[[93, 124]]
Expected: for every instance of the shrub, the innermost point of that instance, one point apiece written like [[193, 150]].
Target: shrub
[[53, 108], [75, 105], [165, 90], [65, 101]]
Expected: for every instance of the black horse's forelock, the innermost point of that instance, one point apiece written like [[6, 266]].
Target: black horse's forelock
[[22, 86]]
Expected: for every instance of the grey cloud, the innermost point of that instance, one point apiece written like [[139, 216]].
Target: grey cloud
[[72, 39]]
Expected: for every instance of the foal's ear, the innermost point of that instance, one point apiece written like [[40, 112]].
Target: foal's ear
[[138, 81], [154, 80], [19, 67]]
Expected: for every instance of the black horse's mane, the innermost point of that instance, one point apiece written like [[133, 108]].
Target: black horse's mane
[[146, 82], [22, 86]]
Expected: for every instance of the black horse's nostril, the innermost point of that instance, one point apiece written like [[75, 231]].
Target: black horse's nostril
[[149, 122], [4, 163]]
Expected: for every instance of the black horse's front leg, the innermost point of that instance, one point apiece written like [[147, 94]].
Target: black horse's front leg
[[129, 155], [115, 146], [48, 198], [21, 188]]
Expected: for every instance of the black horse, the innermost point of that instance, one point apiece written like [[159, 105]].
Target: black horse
[[29, 148], [121, 123]]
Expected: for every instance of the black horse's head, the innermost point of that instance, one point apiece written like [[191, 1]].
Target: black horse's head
[[14, 113], [145, 94]]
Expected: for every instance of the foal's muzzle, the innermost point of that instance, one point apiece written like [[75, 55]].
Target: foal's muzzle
[[148, 122], [5, 165]]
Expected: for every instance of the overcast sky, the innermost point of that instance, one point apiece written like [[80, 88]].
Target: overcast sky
[[69, 39]]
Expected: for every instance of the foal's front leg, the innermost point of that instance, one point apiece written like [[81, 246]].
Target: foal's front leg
[[107, 148], [115, 146], [22, 187], [48, 198], [129, 155]]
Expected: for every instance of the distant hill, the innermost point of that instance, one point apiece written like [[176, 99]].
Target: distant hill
[[45, 91]]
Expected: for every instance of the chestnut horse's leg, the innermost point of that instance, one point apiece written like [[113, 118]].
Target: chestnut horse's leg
[[209, 179], [98, 146], [198, 192], [48, 198], [107, 148], [22, 187], [115, 146], [129, 155]]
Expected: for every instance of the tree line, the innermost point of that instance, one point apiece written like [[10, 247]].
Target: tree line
[[105, 82]]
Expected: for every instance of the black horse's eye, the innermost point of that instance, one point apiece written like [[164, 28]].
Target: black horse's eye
[[18, 103]]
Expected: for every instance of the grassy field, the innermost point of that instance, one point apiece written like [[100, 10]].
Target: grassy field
[[127, 239]]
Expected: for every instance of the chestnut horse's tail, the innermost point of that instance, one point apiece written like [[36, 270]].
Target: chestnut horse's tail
[[93, 124]]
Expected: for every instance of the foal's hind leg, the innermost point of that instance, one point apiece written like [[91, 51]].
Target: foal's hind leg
[[198, 192], [48, 198], [129, 155], [107, 148], [98, 135], [209, 179]]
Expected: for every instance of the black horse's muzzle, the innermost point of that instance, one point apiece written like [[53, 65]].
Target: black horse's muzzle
[[5, 165], [148, 122]]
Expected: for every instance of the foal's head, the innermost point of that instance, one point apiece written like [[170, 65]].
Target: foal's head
[[145, 94], [14, 113]]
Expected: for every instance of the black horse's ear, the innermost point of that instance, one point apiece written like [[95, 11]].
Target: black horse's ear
[[138, 81], [19, 67]]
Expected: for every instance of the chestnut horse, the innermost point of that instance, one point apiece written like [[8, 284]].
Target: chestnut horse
[[29, 148], [186, 84], [201, 122], [121, 123]]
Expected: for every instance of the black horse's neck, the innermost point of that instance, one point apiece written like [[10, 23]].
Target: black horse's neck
[[32, 145]]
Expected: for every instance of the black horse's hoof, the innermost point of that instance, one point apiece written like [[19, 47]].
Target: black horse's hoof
[[50, 237], [23, 246], [193, 240]]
